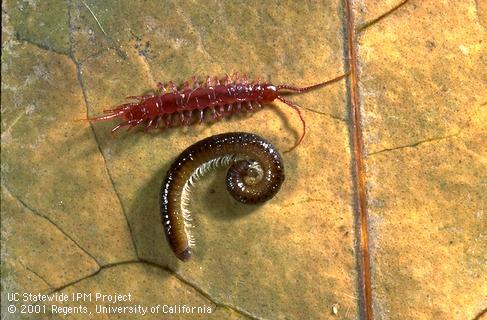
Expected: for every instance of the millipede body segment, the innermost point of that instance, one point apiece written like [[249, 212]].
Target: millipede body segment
[[187, 106], [255, 175]]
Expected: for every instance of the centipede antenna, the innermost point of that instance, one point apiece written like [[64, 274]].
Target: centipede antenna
[[295, 107], [315, 86]]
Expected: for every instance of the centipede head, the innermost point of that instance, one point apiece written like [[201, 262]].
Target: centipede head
[[269, 93]]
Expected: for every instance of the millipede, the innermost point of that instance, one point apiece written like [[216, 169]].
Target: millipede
[[255, 175], [220, 98]]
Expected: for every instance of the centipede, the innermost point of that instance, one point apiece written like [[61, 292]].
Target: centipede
[[169, 107], [255, 175]]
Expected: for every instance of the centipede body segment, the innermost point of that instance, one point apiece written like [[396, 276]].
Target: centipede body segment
[[219, 98]]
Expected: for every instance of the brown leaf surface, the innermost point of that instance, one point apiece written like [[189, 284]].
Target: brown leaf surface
[[80, 207], [424, 95]]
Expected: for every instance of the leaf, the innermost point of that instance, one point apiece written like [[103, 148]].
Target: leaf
[[80, 210]]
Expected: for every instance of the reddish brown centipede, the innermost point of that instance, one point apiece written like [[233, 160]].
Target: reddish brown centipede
[[255, 175], [221, 98]]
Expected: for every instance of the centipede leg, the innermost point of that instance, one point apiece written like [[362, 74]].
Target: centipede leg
[[187, 120], [221, 111], [167, 121], [214, 114], [196, 83], [158, 122], [173, 86], [161, 86], [315, 86], [134, 123], [296, 108], [123, 124], [130, 124], [181, 117], [186, 85], [140, 98], [227, 79], [201, 115], [149, 124], [249, 107]]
